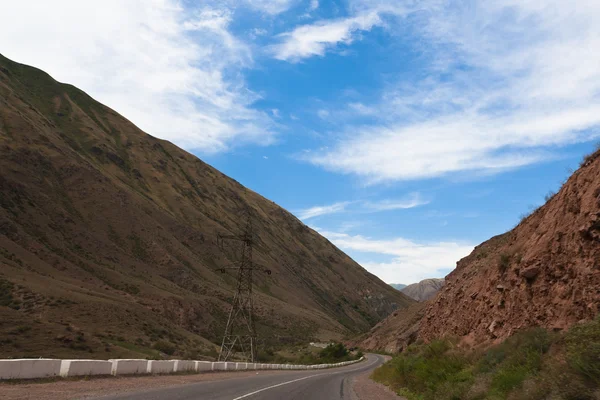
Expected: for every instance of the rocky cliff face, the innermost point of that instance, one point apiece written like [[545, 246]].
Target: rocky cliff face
[[108, 239], [423, 290], [545, 272]]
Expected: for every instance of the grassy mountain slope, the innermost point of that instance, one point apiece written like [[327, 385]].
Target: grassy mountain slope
[[108, 240]]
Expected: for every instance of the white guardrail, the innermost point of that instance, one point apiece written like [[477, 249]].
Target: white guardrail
[[34, 368]]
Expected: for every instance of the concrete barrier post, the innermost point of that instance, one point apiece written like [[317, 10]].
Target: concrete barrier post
[[25, 368], [219, 366], [126, 367], [203, 366], [85, 367], [184, 366], [161, 366], [230, 366]]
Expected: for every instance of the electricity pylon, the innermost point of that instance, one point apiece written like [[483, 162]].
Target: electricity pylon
[[240, 332]]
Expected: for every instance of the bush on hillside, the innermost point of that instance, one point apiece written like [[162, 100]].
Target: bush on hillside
[[430, 371], [583, 350], [534, 365], [334, 351], [165, 347]]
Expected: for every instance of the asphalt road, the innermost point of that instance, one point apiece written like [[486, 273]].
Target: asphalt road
[[330, 384]]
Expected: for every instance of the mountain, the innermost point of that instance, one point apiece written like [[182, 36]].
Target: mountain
[[108, 240], [395, 333], [423, 290], [398, 286], [543, 273]]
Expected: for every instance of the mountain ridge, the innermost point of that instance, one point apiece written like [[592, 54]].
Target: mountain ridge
[[101, 223]]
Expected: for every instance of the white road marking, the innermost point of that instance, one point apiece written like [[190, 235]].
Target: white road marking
[[301, 379]]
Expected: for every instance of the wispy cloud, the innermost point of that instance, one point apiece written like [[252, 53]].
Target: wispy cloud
[[314, 40], [323, 114], [322, 210], [174, 72], [508, 81], [409, 262], [268, 6], [411, 201]]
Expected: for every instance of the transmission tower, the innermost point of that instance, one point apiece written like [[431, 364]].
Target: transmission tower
[[240, 332]]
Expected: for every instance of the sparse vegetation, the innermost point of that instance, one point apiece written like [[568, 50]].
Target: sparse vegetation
[[549, 195], [138, 248], [588, 157], [533, 365], [504, 262], [165, 347], [6, 295], [583, 350], [333, 353]]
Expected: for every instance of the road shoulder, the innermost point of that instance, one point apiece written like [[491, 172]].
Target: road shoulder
[[111, 386], [364, 388]]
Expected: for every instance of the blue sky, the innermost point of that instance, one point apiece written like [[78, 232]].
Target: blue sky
[[406, 132]]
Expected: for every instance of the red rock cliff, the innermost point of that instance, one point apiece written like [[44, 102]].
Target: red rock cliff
[[545, 272]]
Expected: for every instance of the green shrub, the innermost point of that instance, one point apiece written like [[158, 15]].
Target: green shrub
[[504, 262], [511, 369], [165, 347], [431, 371], [6, 288], [333, 352], [583, 350]]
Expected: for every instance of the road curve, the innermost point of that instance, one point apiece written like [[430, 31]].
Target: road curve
[[329, 384]]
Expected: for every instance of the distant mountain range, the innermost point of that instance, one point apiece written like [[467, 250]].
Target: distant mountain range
[[420, 291], [424, 290], [398, 286]]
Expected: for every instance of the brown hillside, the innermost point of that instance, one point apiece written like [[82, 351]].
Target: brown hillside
[[424, 290], [108, 240], [395, 333], [545, 272]]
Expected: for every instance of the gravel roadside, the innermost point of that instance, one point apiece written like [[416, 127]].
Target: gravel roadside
[[367, 389]]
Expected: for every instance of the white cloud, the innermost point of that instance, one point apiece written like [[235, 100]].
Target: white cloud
[[360, 108], [323, 114], [322, 210], [507, 82], [410, 261], [314, 40], [173, 72], [270, 6], [314, 4], [412, 201]]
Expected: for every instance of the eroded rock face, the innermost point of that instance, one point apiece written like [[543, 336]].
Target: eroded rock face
[[545, 272]]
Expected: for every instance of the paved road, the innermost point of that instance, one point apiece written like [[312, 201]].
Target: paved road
[[331, 384]]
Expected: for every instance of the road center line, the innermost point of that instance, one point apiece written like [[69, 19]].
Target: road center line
[[300, 379]]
